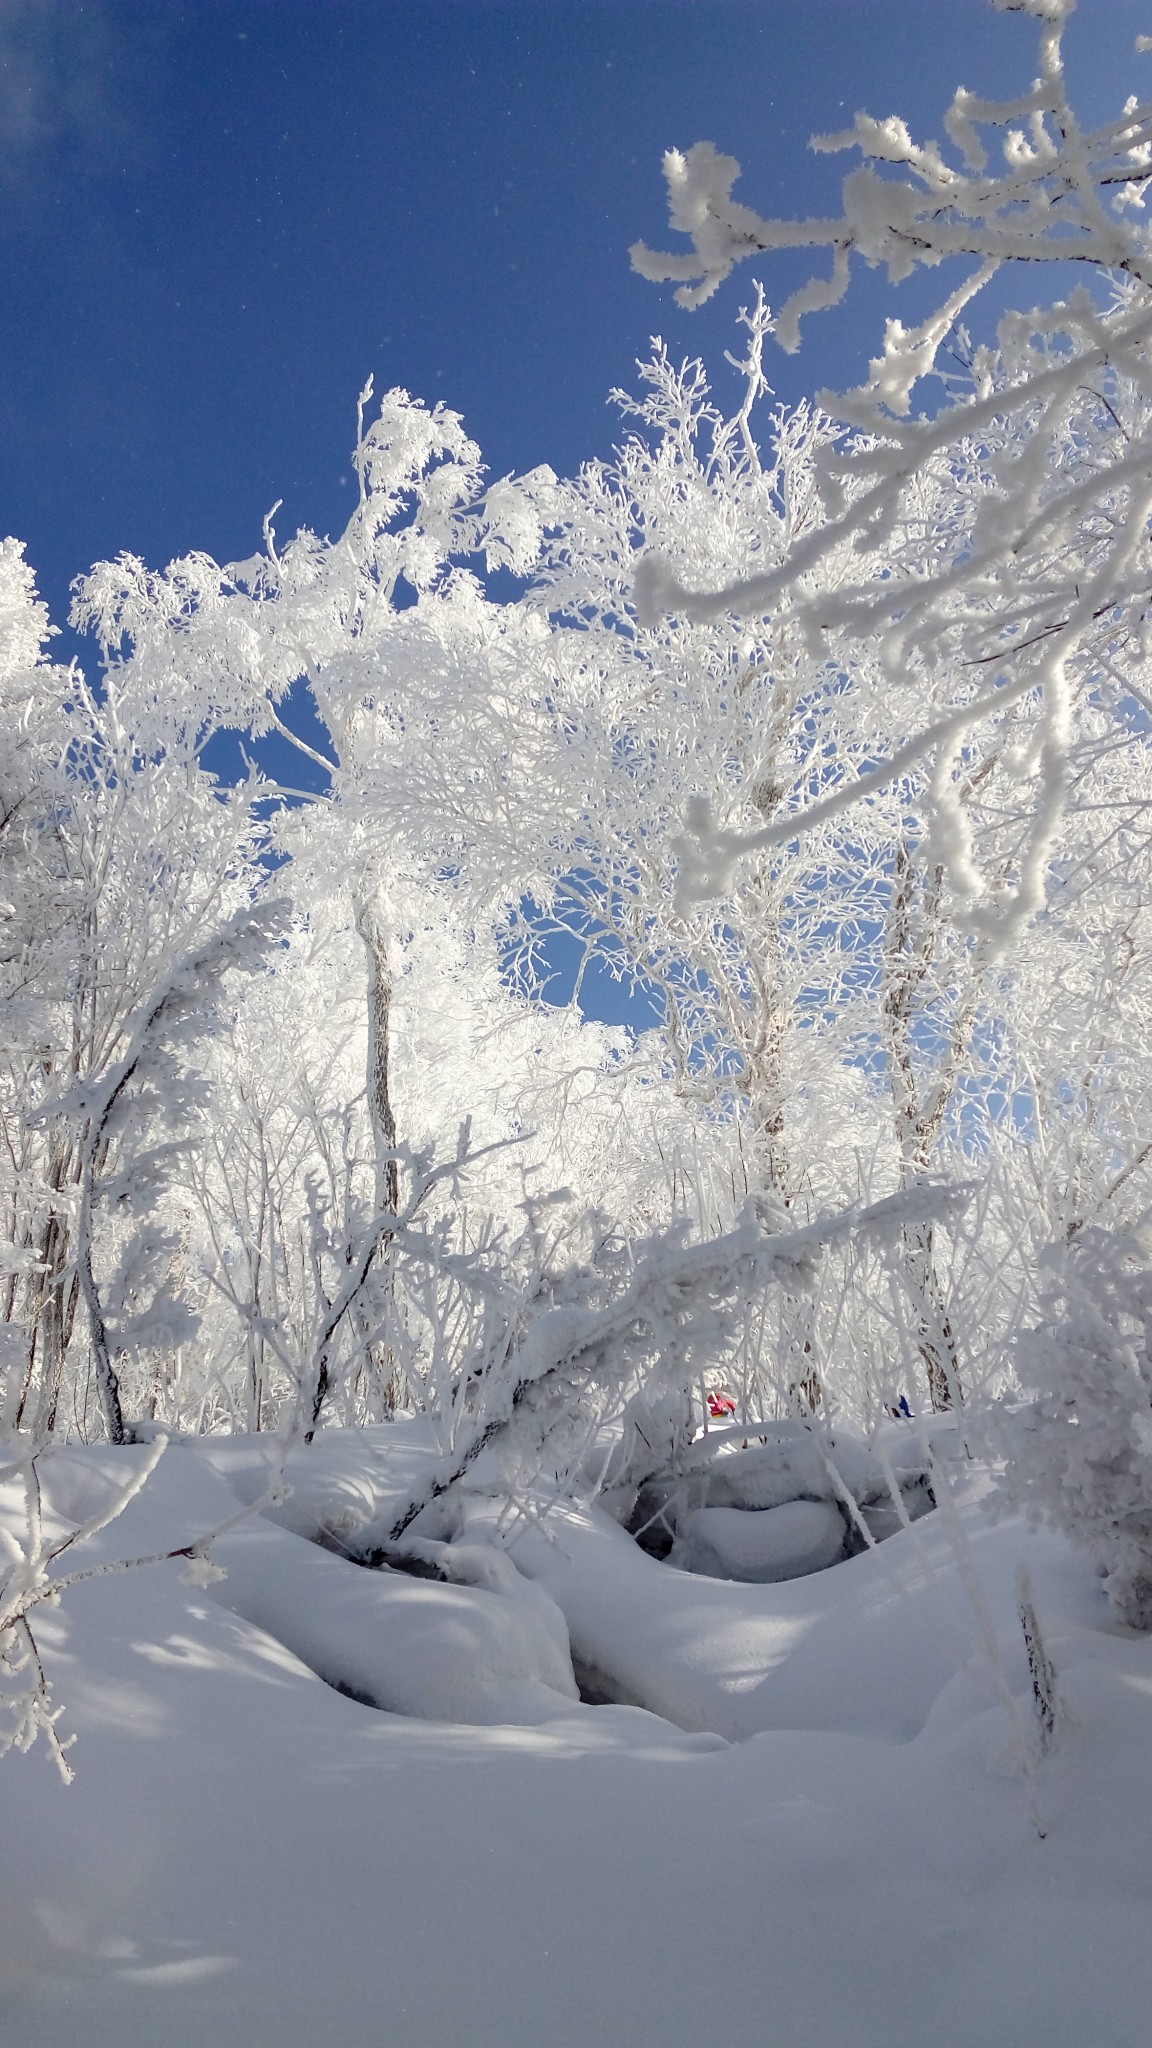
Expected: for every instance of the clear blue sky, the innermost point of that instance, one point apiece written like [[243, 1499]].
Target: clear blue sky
[[217, 218]]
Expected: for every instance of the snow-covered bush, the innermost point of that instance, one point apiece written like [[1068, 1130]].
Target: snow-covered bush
[[1080, 1454]]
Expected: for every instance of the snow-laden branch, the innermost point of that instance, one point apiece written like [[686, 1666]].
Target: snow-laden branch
[[1051, 439], [1046, 205], [672, 1287]]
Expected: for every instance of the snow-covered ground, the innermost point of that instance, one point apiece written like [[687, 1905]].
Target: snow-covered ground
[[811, 1826]]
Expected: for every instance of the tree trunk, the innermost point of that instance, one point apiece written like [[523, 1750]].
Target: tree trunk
[[50, 1298], [371, 929], [370, 925], [914, 924], [107, 1383], [935, 1340]]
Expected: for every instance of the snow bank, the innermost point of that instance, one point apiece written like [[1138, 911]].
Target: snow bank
[[777, 1543], [866, 1648], [248, 1858], [479, 1644], [412, 1646]]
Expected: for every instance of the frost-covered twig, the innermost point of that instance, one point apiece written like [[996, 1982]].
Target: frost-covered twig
[[1046, 1702], [1054, 552]]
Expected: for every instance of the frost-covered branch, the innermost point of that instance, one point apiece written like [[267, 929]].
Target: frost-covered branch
[[1047, 204], [677, 1297], [1049, 437]]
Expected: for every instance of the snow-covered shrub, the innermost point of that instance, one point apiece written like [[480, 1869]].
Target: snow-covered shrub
[[1080, 1454]]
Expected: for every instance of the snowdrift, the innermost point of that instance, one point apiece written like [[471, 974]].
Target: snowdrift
[[845, 1849]]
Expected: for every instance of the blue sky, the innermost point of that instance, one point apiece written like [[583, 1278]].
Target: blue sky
[[217, 218]]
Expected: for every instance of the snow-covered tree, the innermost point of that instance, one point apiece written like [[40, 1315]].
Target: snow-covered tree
[[1081, 1451], [125, 864], [793, 720], [1035, 599]]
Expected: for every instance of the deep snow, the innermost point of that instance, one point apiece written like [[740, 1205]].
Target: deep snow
[[249, 1857]]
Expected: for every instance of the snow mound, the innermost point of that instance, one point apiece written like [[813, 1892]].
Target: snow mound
[[786, 1542], [761, 1471], [475, 1645], [335, 1488], [868, 1648], [476, 1654]]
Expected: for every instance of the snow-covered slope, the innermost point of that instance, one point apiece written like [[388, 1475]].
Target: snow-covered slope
[[250, 1860]]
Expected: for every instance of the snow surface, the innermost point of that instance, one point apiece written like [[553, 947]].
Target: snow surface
[[249, 1858], [787, 1542]]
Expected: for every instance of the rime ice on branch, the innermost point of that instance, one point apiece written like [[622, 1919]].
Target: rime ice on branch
[[1042, 597]]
